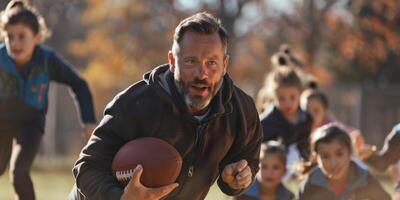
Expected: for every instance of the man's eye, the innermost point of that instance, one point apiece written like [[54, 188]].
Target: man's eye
[[212, 62]]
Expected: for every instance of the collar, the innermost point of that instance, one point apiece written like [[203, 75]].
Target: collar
[[254, 191], [357, 177], [219, 105]]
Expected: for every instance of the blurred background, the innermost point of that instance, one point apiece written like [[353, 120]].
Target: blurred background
[[352, 47]]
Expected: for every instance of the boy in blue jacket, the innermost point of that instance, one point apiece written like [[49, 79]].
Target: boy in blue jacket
[[26, 69]]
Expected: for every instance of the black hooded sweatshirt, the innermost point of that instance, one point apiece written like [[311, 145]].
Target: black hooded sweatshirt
[[153, 108]]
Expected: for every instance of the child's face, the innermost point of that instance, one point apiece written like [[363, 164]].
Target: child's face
[[334, 159], [317, 110], [20, 41], [287, 100], [272, 170]]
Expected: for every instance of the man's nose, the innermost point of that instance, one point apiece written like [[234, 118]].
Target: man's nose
[[201, 72]]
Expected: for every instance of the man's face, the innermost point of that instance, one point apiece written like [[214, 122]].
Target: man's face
[[199, 66]]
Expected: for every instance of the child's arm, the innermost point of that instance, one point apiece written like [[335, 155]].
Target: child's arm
[[62, 72], [390, 152]]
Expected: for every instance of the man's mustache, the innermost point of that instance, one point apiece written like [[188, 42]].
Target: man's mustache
[[199, 82]]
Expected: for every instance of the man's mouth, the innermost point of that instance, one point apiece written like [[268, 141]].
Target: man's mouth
[[199, 89]]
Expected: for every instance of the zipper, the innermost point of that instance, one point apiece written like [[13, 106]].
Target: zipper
[[196, 150], [191, 161]]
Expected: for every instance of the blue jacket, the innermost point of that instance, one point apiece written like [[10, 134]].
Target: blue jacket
[[254, 193], [24, 92], [361, 185]]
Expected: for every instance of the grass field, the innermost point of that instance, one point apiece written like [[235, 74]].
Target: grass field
[[55, 184]]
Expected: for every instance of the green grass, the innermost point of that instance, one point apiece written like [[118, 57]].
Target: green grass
[[56, 182], [49, 185]]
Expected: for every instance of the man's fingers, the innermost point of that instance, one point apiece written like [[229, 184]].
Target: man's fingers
[[243, 179], [244, 174], [164, 190], [240, 166], [137, 173]]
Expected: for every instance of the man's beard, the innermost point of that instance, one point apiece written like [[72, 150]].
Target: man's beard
[[197, 103]]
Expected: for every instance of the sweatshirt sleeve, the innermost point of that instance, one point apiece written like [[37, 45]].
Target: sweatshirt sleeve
[[375, 189], [246, 146], [92, 171], [62, 72], [390, 152]]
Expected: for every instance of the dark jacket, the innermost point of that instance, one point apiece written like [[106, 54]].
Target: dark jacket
[[390, 152], [361, 186], [24, 92], [153, 107], [253, 193], [276, 126]]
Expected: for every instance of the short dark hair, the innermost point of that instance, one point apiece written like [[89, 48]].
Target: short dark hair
[[329, 133], [313, 92], [203, 23], [283, 77]]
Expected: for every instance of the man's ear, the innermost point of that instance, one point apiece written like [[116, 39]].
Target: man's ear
[[226, 63], [171, 60]]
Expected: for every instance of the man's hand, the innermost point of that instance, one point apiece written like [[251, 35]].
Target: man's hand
[[136, 191], [237, 175], [396, 196], [88, 130]]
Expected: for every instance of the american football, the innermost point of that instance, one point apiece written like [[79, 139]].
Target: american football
[[161, 162]]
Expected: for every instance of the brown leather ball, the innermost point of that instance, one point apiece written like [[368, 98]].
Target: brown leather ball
[[161, 162]]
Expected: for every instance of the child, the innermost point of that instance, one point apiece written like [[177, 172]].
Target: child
[[317, 104], [285, 119], [267, 185], [26, 68], [337, 176]]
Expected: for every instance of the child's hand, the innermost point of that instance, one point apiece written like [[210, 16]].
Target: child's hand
[[237, 175], [396, 196], [365, 151]]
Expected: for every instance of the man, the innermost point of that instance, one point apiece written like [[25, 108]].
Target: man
[[190, 103]]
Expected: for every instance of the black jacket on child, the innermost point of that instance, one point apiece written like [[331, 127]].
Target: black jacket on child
[[153, 108], [276, 126], [361, 186]]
